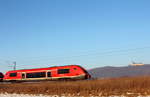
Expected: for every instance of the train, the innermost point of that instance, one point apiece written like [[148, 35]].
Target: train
[[68, 72]]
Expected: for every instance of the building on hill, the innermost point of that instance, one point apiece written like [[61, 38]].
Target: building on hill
[[137, 64]]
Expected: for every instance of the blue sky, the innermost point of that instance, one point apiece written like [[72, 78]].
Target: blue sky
[[92, 33]]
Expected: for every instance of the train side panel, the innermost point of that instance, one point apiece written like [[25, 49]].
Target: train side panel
[[51, 73]]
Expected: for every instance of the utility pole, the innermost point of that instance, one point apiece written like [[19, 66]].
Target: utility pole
[[14, 65]]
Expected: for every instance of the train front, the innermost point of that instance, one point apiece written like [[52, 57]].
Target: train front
[[87, 75], [82, 72]]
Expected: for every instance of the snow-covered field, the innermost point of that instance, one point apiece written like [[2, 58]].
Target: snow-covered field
[[31, 95], [40, 95], [24, 95]]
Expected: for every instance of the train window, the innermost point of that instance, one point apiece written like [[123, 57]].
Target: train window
[[63, 71], [48, 74], [75, 68], [13, 74], [36, 75]]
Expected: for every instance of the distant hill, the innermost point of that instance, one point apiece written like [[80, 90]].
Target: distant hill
[[109, 71]]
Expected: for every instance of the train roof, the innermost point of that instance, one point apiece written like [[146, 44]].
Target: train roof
[[43, 68]]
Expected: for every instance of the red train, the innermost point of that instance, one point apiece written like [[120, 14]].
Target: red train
[[69, 72]]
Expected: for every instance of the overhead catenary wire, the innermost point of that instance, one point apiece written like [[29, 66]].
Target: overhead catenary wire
[[66, 60], [90, 55], [98, 53]]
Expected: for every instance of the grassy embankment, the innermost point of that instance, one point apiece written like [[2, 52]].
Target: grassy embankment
[[130, 86]]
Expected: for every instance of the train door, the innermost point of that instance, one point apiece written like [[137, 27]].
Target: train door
[[49, 74], [23, 75]]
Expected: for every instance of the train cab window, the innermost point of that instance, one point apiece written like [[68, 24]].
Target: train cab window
[[36, 75], [63, 71], [13, 74], [48, 74]]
